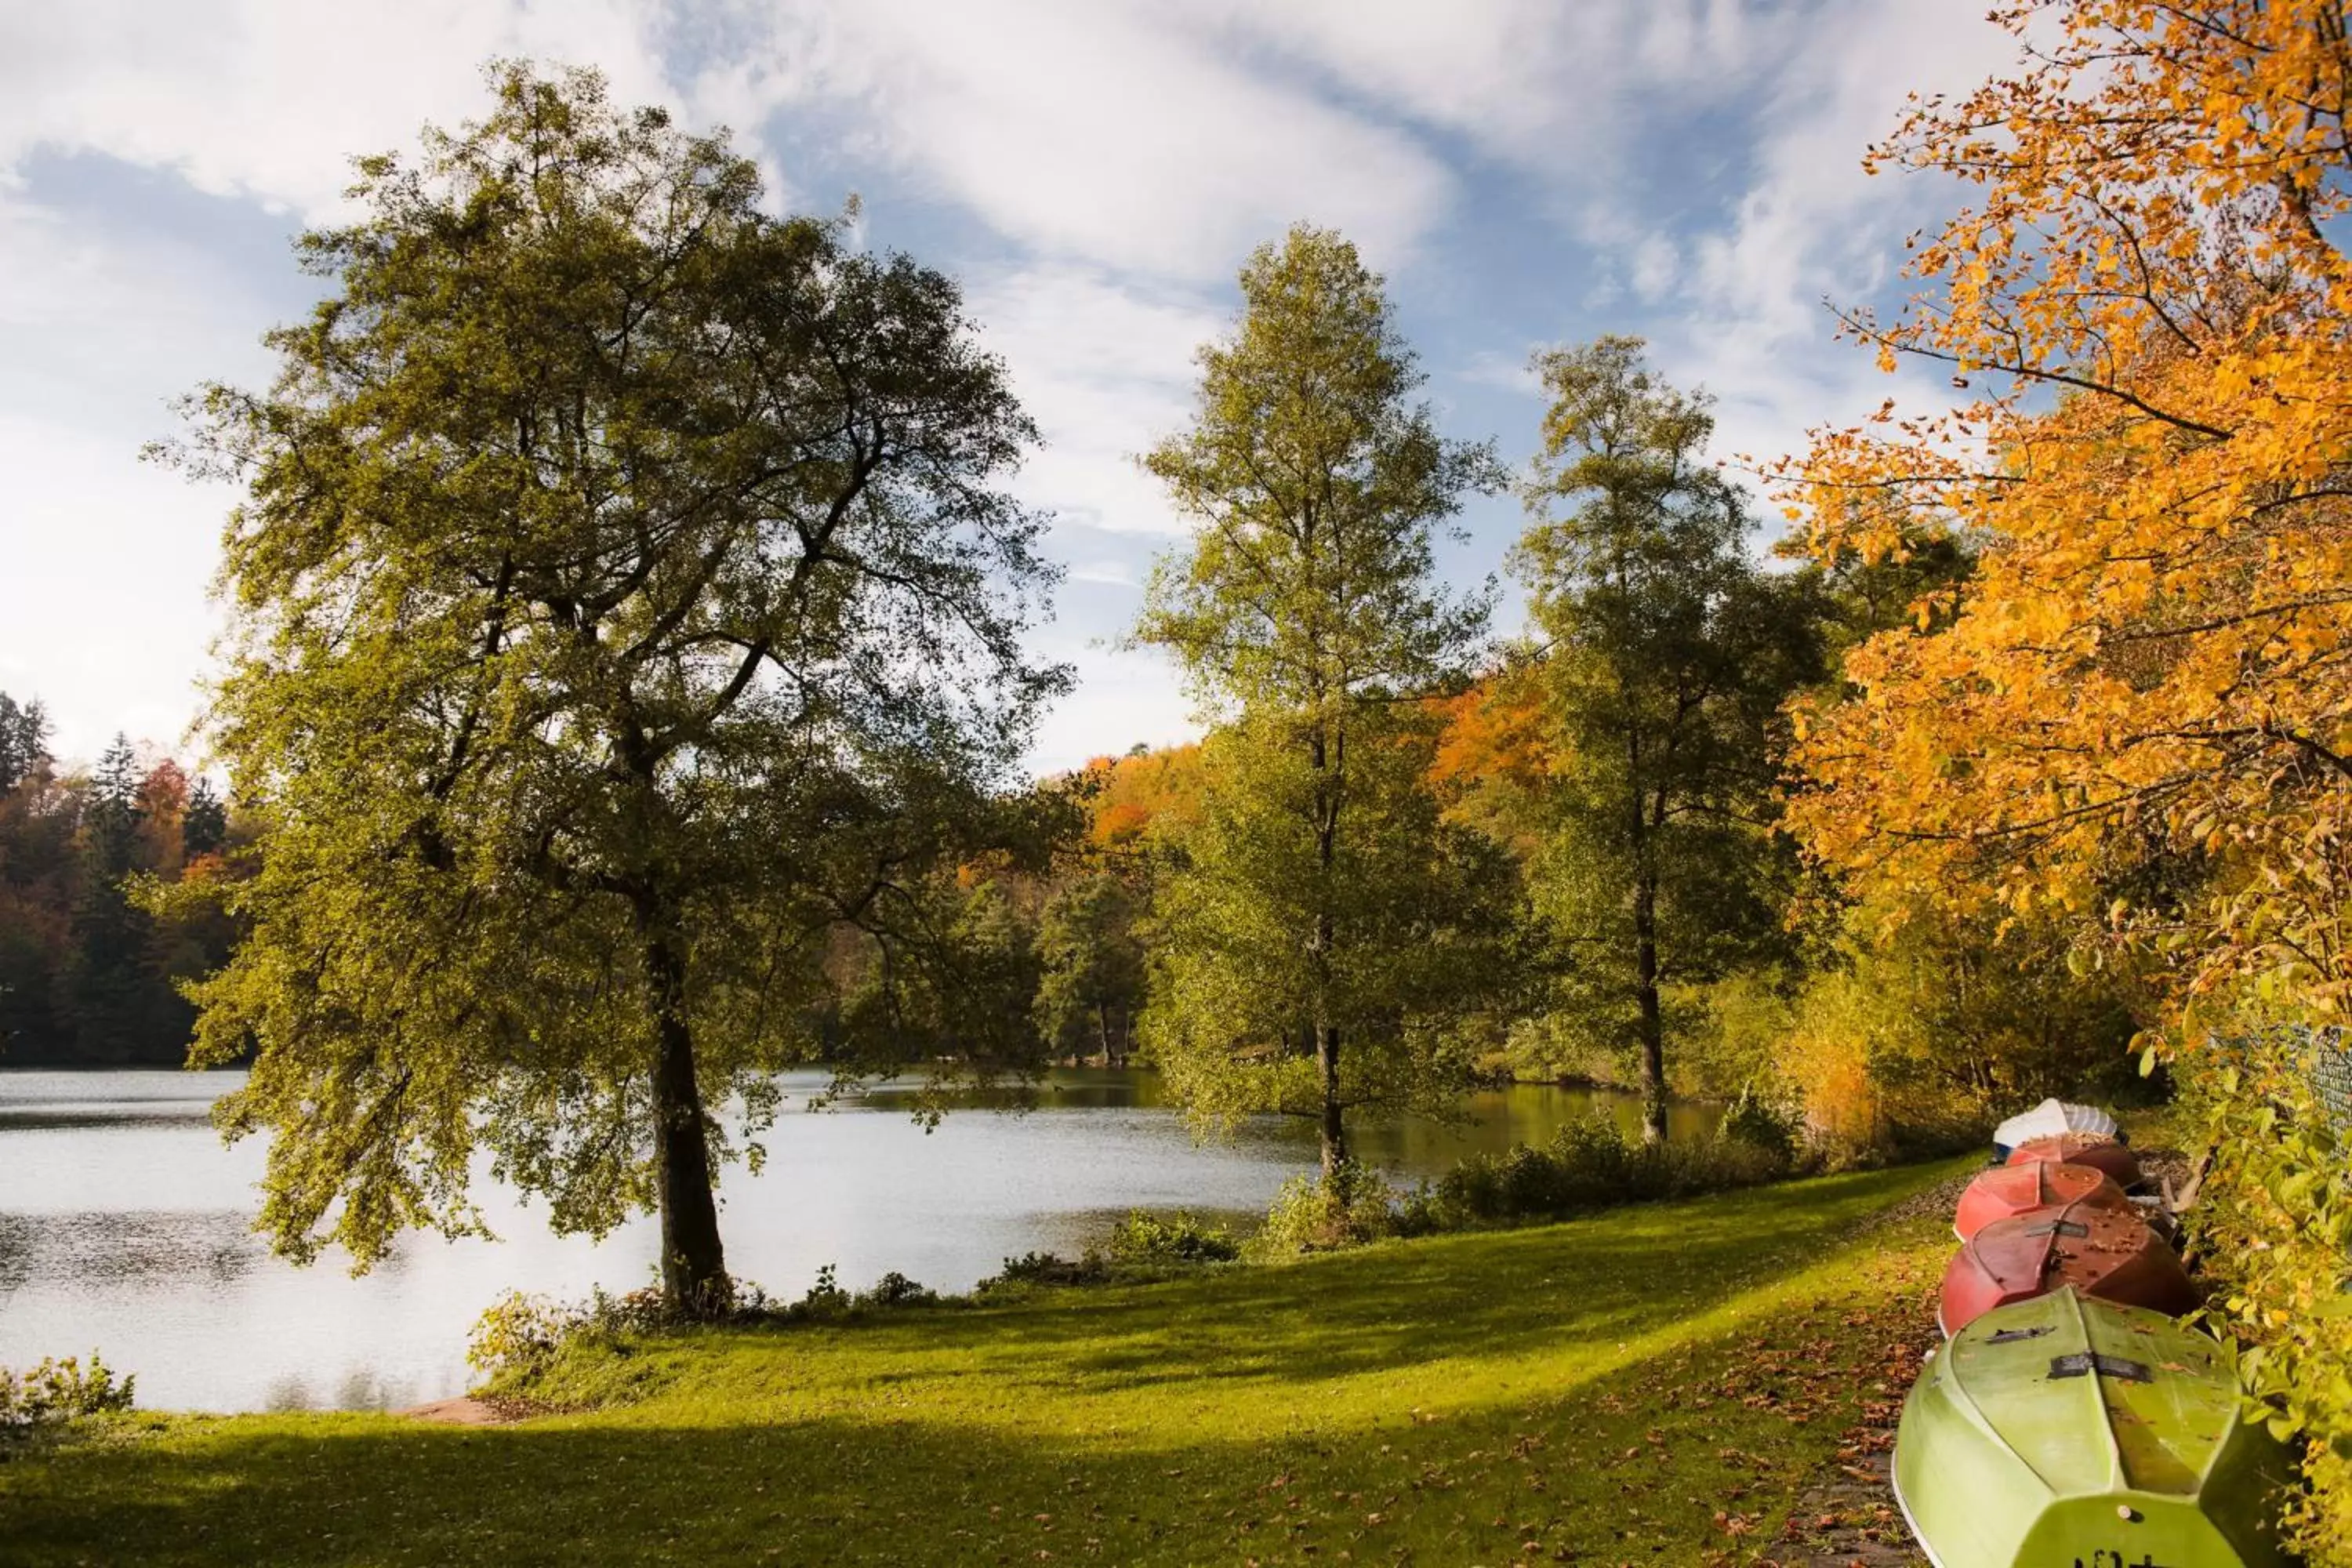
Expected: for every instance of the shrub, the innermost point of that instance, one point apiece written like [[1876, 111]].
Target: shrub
[[1922, 1030], [1313, 1214], [825, 1299], [1595, 1157], [519, 1334], [895, 1290], [1763, 1126], [1141, 1247], [57, 1392], [1046, 1269], [1590, 1165], [515, 1334], [2273, 1224], [1179, 1239]]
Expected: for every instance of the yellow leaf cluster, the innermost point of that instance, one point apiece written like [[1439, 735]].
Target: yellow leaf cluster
[[2151, 661]]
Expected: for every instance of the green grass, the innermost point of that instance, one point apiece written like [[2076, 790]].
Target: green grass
[[1656, 1385]]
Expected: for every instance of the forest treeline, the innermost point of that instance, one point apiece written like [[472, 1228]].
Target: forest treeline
[[1768, 984], [89, 973]]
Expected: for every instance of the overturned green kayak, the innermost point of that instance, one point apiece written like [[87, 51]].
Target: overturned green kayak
[[2064, 1431]]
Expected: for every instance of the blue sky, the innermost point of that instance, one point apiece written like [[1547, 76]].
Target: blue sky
[[1525, 172]]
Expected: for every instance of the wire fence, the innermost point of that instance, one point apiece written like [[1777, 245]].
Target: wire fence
[[2331, 1078]]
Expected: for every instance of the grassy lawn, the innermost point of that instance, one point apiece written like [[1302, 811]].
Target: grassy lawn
[[1651, 1385]]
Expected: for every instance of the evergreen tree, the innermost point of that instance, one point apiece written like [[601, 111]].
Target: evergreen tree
[[37, 888], [109, 985], [1307, 617], [204, 829], [24, 741]]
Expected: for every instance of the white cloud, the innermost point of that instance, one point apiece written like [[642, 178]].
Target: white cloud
[[105, 563], [1509, 372], [103, 601], [1099, 131], [270, 99], [1126, 697], [1492, 67], [102, 333], [1811, 224], [1528, 80], [1656, 264], [1105, 370]]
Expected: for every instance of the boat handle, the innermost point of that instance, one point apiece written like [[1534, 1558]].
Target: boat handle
[[2082, 1363]]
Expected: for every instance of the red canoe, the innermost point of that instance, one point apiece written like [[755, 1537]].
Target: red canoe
[[2007, 1190], [2082, 1149], [2098, 1251]]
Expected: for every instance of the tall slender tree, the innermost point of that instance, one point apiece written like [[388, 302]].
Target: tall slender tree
[[110, 988], [626, 608], [1306, 615], [1668, 654]]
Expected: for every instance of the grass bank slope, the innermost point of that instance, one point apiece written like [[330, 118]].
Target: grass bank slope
[[1656, 1384]]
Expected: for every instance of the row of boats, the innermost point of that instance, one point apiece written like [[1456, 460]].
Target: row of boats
[[2069, 1420]]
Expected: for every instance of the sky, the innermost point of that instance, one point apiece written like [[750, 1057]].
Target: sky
[[1524, 172]]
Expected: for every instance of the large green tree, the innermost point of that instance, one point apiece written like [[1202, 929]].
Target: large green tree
[[1293, 971], [626, 606], [1665, 656]]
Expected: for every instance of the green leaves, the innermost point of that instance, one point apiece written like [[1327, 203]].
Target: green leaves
[[1319, 930], [1316, 487], [1665, 657], [627, 640]]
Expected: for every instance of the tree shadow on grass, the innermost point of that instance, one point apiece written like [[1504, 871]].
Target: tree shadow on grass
[[1448, 1401], [1614, 1277]]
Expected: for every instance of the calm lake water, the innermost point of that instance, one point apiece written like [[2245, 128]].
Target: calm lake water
[[125, 1224]]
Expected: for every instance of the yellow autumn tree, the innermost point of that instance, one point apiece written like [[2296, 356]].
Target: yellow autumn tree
[[2137, 713]]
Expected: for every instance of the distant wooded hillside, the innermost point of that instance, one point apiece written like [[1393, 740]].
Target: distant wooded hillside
[[86, 972]]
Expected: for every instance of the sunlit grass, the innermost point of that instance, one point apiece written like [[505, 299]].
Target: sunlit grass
[[1652, 1385]]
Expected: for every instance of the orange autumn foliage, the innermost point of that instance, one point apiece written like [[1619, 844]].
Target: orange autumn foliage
[[1495, 750], [1132, 793], [2137, 716], [1495, 730], [1492, 733], [2150, 292]]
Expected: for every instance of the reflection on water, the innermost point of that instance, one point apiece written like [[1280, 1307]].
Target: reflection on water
[[50, 1099], [125, 1225], [120, 1249]]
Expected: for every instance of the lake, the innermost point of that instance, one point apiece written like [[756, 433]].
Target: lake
[[125, 1224]]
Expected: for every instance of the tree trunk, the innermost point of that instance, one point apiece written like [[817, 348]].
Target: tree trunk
[[1335, 1127], [693, 1263], [1326, 1032], [1645, 991]]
